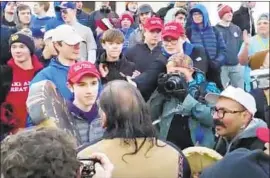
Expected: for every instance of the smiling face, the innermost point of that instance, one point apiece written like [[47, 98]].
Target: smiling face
[[263, 27], [20, 52], [68, 15]]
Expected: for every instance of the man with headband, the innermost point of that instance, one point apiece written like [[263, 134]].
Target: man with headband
[[234, 120]]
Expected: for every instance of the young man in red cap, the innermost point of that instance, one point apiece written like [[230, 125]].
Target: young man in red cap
[[232, 71], [24, 65], [145, 53], [84, 82], [126, 21], [175, 41]]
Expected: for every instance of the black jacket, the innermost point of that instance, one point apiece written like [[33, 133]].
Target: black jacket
[[147, 81], [142, 56], [163, 11], [241, 18], [115, 68]]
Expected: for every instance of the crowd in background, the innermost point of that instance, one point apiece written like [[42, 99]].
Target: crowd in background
[[141, 92]]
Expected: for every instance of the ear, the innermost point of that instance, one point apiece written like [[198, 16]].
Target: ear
[[246, 118], [103, 45], [70, 87]]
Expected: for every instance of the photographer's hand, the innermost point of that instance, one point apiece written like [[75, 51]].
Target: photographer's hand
[[105, 168]]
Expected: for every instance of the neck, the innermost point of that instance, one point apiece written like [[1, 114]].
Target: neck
[[112, 59], [26, 65], [151, 46], [65, 61], [42, 14], [224, 23], [25, 26], [72, 22], [9, 17], [266, 35], [82, 107]]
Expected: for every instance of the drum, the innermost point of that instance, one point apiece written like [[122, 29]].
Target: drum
[[47, 108]]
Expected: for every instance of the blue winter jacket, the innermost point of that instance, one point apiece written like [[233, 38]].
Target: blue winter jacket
[[57, 20], [57, 73], [126, 33], [207, 36], [40, 23]]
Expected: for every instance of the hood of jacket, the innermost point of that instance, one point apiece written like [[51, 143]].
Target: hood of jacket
[[202, 9], [249, 131]]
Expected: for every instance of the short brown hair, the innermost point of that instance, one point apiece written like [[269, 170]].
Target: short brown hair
[[46, 5], [42, 152], [113, 35], [22, 7]]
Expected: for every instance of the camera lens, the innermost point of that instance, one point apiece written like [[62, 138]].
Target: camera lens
[[170, 85]]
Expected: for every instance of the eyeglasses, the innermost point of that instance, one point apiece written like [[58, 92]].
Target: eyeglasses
[[172, 41], [222, 111], [64, 11]]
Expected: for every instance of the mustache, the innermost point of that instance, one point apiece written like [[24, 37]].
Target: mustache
[[218, 122]]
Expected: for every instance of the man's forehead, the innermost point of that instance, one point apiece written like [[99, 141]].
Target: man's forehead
[[224, 102]]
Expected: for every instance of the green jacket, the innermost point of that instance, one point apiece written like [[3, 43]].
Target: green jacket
[[200, 116]]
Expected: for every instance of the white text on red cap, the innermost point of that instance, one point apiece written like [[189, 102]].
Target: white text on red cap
[[171, 27], [85, 66]]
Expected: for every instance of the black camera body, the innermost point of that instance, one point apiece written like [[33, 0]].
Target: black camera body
[[88, 170], [172, 82]]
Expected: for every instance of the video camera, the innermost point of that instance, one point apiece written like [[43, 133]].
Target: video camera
[[172, 82], [260, 78]]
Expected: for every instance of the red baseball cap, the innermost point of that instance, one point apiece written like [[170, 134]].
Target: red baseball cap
[[80, 69], [263, 134], [153, 23], [173, 29]]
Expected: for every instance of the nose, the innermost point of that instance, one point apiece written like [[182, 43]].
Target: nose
[[215, 116]]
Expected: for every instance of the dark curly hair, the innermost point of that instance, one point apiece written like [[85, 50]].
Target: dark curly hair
[[39, 153]]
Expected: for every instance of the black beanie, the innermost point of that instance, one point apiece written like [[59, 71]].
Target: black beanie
[[22, 38]]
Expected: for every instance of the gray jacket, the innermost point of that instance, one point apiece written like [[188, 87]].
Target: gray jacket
[[89, 132], [135, 37], [233, 39]]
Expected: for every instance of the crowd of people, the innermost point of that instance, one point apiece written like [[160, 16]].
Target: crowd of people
[[140, 94]]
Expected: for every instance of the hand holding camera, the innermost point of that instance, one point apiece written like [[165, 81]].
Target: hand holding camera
[[97, 165]]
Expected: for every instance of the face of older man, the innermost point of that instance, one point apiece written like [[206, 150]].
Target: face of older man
[[229, 117]]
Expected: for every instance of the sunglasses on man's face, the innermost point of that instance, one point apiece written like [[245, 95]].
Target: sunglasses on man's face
[[64, 11]]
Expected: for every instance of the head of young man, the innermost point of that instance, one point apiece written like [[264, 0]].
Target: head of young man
[[49, 43], [152, 31], [10, 7], [79, 5], [225, 12], [173, 37], [67, 42], [234, 109], [145, 11], [24, 14], [126, 20], [83, 81], [181, 16], [263, 25], [112, 41], [22, 47], [132, 6], [41, 7], [38, 35], [181, 63], [68, 12], [43, 152]]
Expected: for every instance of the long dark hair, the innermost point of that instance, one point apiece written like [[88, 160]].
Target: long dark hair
[[128, 116]]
